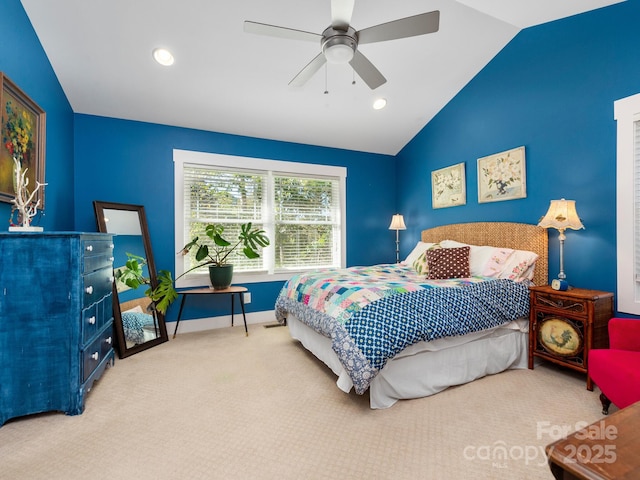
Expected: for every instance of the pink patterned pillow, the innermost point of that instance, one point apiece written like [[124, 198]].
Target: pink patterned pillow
[[448, 263], [496, 262], [519, 266]]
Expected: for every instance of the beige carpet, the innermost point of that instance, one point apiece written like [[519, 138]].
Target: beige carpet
[[219, 405]]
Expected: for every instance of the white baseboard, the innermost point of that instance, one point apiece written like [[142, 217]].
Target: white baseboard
[[209, 323]]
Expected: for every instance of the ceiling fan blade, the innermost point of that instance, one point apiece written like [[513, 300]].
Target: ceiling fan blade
[[403, 28], [282, 32], [341, 12], [307, 72], [367, 71]]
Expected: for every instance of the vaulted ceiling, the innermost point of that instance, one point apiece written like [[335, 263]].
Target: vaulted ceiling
[[230, 81]]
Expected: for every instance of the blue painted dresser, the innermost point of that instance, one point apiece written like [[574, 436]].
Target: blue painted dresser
[[56, 320]]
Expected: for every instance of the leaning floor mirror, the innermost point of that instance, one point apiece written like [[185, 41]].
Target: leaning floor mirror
[[137, 325]]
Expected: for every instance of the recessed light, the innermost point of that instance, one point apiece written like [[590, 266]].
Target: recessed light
[[163, 56], [379, 103]]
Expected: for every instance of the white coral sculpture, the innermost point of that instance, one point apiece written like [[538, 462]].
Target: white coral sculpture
[[24, 201]]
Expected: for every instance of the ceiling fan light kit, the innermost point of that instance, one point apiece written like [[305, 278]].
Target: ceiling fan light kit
[[339, 42], [338, 46]]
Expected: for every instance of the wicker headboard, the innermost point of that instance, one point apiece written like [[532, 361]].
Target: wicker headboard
[[143, 302], [519, 236]]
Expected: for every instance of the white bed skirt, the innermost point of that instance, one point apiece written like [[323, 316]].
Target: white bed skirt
[[428, 367]]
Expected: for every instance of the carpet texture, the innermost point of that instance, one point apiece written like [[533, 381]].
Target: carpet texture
[[219, 405]]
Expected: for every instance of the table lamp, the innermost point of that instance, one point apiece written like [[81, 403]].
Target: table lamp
[[561, 215]]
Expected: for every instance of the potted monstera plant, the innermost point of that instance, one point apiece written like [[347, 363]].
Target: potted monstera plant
[[220, 272], [214, 255]]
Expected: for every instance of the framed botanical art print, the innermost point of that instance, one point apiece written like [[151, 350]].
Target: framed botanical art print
[[502, 176], [22, 131], [448, 188]]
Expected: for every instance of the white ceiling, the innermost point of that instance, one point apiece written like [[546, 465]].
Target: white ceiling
[[228, 81]]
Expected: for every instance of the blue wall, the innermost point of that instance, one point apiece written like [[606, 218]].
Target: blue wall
[[132, 162], [552, 90], [92, 158], [24, 61]]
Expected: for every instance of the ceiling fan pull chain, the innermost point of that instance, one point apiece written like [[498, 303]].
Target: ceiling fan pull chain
[[326, 76], [353, 72]]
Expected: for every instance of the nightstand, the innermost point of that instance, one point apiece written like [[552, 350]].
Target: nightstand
[[564, 326]]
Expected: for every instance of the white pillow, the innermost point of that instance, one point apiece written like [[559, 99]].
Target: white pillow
[[418, 250], [498, 262], [479, 256]]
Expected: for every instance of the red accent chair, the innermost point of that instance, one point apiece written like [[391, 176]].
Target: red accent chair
[[616, 370]]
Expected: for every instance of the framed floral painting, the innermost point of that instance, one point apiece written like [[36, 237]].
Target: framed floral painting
[[502, 176], [22, 131], [448, 188]]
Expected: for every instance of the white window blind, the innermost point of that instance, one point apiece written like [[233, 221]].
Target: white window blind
[[226, 197], [307, 222], [627, 115], [300, 206], [636, 202]]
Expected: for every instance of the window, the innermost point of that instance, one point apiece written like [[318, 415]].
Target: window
[[300, 206], [627, 114]]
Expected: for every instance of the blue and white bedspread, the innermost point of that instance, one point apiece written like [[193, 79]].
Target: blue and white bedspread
[[373, 313]]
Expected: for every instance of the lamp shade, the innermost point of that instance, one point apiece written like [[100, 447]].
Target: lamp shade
[[561, 215], [397, 223]]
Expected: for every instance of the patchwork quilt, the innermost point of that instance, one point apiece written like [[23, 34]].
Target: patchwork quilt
[[373, 313]]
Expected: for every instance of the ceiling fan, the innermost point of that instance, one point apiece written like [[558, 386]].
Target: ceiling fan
[[339, 42]]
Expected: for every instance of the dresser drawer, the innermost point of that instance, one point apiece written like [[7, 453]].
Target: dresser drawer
[[94, 353], [570, 306], [107, 344], [96, 316], [97, 262], [97, 254], [89, 323], [106, 305], [96, 285]]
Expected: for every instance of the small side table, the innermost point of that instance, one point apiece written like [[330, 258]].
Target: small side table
[[564, 326], [210, 291]]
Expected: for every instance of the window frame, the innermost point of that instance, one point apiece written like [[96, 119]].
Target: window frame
[[626, 113], [213, 160]]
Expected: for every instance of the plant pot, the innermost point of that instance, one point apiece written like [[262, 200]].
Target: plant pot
[[221, 276]]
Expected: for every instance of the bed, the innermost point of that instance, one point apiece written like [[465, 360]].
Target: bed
[[443, 357]]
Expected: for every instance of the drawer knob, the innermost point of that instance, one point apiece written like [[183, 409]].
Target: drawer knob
[[108, 340], [111, 259], [89, 289], [95, 355], [92, 320], [89, 248]]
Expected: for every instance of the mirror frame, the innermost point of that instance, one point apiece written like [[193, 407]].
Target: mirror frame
[[123, 351]]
